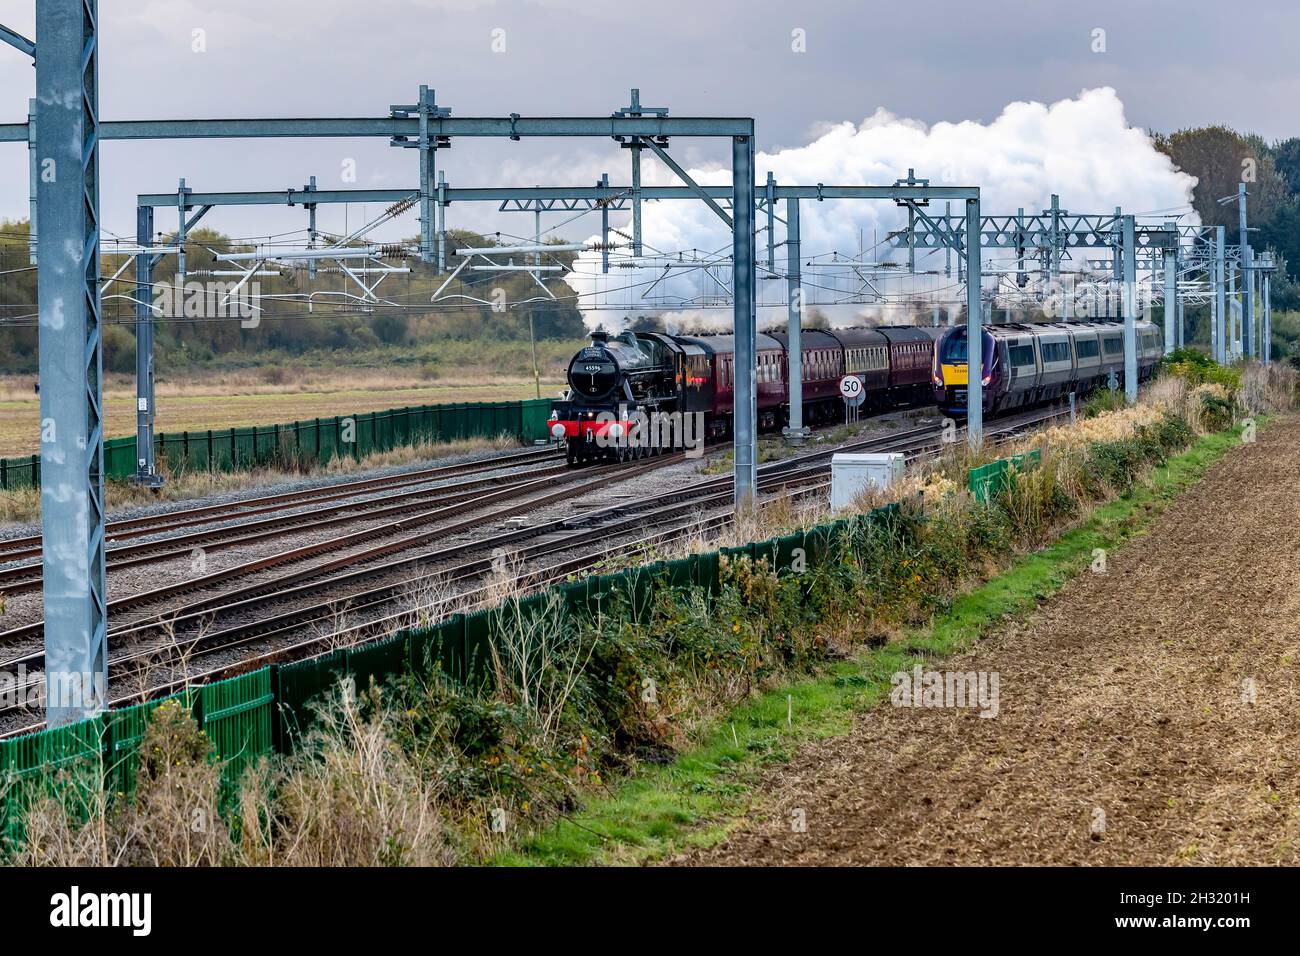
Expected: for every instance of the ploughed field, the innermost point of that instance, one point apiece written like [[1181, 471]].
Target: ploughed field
[[1146, 715]]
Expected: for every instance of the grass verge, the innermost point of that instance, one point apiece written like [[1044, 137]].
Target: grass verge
[[700, 796]]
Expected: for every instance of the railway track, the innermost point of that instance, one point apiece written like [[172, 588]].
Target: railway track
[[14, 549], [670, 513], [554, 539], [570, 484], [24, 578]]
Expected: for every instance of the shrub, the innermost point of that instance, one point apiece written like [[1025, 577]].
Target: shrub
[[1035, 502], [1102, 401], [1197, 368], [1215, 409]]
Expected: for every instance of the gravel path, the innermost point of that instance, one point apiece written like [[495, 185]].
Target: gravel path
[[1146, 716]]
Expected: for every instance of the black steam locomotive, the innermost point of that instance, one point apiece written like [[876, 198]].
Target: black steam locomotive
[[618, 384]]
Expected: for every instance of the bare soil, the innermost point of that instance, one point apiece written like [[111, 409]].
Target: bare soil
[[1148, 715]]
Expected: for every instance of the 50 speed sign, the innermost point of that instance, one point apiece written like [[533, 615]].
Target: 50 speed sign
[[851, 390]]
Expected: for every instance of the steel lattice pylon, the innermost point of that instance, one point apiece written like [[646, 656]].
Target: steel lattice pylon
[[71, 369]]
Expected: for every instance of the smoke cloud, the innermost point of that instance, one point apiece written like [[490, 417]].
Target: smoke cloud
[[1082, 149]]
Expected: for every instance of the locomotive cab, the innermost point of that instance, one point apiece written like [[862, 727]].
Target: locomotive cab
[[950, 375]]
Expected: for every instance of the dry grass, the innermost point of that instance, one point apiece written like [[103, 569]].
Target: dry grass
[[172, 822], [350, 797], [216, 403], [1269, 388], [19, 506], [536, 663]]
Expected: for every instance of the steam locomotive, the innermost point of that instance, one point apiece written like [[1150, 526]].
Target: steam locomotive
[[618, 384]]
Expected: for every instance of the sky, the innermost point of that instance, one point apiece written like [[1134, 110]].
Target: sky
[[1041, 94]]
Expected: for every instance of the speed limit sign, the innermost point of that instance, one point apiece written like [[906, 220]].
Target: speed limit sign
[[851, 390]]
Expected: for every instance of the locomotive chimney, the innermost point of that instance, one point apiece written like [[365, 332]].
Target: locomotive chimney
[[599, 336]]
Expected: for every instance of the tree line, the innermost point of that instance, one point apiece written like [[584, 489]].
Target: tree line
[[487, 306]]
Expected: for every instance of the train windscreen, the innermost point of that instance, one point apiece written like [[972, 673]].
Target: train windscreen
[[954, 350]]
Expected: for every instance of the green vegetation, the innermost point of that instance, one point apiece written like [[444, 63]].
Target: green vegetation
[[329, 330], [424, 768], [1197, 368], [694, 800], [1220, 159]]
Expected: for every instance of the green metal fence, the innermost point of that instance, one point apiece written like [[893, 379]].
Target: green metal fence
[[314, 440], [267, 710], [987, 480]]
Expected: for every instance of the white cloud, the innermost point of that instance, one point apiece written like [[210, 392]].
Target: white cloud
[[1082, 148]]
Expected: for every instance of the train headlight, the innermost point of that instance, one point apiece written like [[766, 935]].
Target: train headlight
[[557, 430], [986, 379]]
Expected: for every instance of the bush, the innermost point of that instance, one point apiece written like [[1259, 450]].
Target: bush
[[1216, 410], [1197, 368], [1173, 433], [1115, 463], [1103, 400]]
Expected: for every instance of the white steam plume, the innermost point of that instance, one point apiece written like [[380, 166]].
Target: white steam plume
[[1083, 149]]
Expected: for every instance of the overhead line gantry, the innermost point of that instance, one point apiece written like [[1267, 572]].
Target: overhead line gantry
[[64, 137]]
